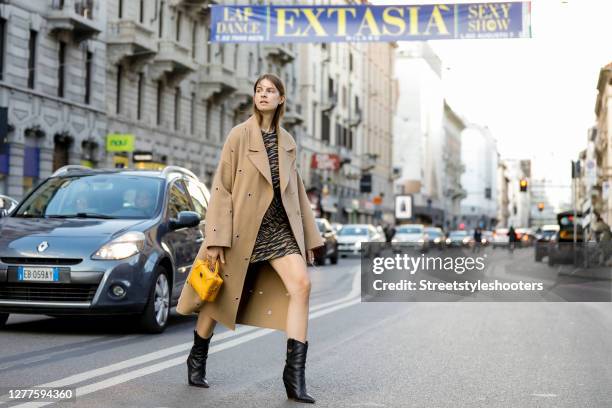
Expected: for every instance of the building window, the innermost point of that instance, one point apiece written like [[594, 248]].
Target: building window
[[350, 62], [120, 9], [222, 128], [141, 13], [179, 17], [32, 59], [160, 99], [160, 27], [192, 125], [177, 108], [208, 118], [236, 56], [2, 40], [325, 128], [344, 96], [194, 39], [314, 119], [61, 72], [88, 68], [222, 53], [140, 96], [250, 64], [118, 94]]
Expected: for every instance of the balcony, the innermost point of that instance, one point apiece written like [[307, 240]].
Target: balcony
[[74, 17], [217, 81], [330, 103], [293, 115], [279, 53], [128, 39], [192, 4], [174, 60]]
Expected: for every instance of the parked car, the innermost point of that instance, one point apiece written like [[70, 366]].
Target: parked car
[[487, 238], [410, 236], [102, 242], [458, 238], [330, 249], [542, 240], [7, 204], [351, 236], [501, 238], [560, 245], [525, 237], [336, 226], [434, 237]]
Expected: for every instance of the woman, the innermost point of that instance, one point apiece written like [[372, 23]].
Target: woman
[[259, 221]]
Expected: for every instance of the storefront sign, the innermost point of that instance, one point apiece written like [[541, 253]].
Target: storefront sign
[[116, 142], [352, 22], [323, 161]]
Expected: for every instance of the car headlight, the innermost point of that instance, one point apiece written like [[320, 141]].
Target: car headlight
[[394, 240], [466, 240], [437, 240], [121, 247], [448, 241], [421, 241], [358, 244]]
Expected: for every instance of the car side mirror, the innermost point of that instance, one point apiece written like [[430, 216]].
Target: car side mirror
[[329, 230], [186, 219]]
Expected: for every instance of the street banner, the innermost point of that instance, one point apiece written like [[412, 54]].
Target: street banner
[[357, 23]]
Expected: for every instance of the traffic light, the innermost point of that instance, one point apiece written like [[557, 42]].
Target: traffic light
[[523, 185], [540, 207]]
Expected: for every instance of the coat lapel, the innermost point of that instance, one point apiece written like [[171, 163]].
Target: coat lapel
[[259, 157]]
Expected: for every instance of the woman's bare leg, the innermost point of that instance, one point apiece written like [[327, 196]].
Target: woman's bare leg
[[205, 325], [292, 271]]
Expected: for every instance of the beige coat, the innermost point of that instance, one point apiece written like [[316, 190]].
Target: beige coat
[[240, 195]]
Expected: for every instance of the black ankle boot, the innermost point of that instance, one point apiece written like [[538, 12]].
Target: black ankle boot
[[293, 375], [196, 361]]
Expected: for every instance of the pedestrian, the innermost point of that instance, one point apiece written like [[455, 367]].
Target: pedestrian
[[477, 239], [511, 238], [603, 236], [261, 227], [389, 232]]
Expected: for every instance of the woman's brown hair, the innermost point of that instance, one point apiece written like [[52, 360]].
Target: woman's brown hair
[[280, 109]]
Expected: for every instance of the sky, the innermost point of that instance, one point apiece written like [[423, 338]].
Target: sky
[[536, 95]]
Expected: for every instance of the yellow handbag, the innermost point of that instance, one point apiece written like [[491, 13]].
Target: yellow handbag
[[205, 282]]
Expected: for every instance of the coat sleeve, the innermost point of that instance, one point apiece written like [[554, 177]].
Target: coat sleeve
[[312, 236], [218, 225]]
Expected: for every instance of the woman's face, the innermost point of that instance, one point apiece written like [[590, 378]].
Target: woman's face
[[267, 97]]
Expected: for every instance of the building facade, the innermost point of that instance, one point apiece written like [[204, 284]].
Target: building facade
[[52, 81], [479, 155]]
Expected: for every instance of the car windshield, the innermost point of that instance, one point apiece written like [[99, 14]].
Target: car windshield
[[433, 233], [351, 230], [458, 234], [409, 230], [94, 196]]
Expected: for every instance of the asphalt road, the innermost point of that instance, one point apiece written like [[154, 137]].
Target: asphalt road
[[393, 354]]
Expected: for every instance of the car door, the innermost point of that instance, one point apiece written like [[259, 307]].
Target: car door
[[181, 242]]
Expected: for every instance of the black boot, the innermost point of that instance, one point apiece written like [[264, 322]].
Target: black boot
[[196, 361], [293, 375]]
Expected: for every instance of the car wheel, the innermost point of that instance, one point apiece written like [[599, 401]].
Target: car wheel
[[3, 318], [320, 260], [156, 313], [551, 260]]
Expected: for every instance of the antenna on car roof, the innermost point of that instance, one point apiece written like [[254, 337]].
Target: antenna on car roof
[[177, 169], [69, 167]]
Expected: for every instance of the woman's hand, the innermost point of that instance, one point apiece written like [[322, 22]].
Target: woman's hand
[[310, 257], [212, 253]]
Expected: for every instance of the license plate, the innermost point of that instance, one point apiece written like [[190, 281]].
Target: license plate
[[37, 274]]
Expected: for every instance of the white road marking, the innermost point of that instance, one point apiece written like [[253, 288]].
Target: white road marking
[[317, 311]]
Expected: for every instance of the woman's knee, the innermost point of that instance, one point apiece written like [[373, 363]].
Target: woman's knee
[[302, 286]]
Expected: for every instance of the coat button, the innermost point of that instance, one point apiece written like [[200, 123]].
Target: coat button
[[269, 312], [261, 292]]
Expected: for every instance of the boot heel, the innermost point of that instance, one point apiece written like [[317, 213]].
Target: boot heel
[[196, 361]]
